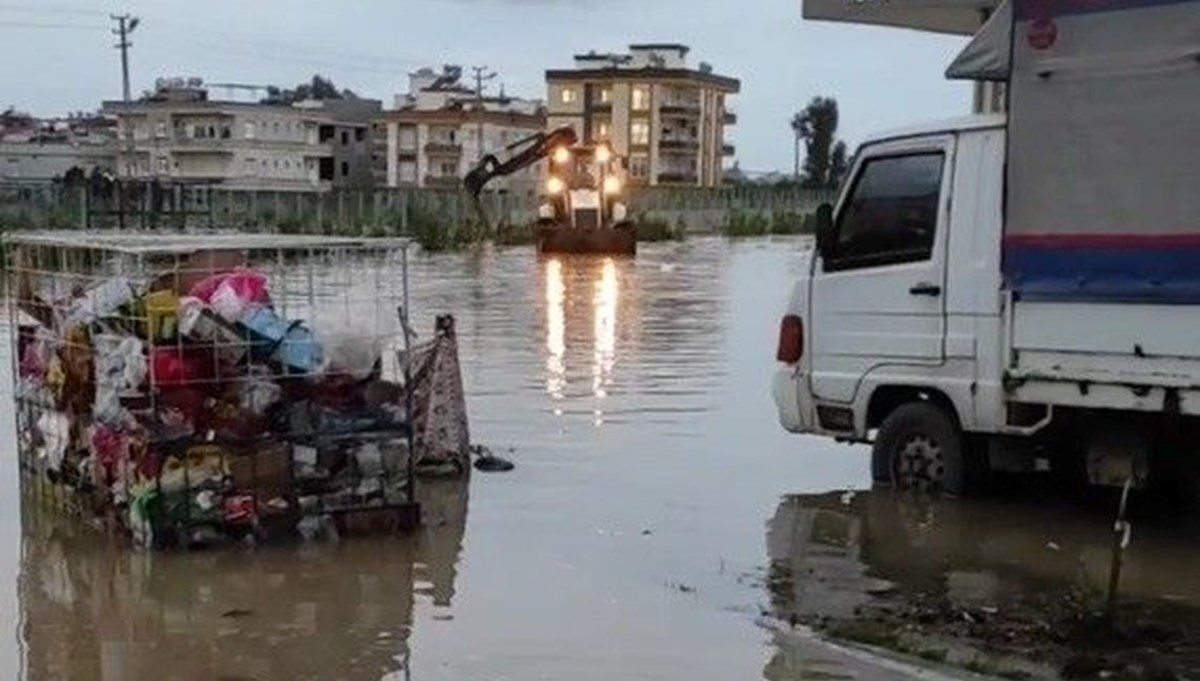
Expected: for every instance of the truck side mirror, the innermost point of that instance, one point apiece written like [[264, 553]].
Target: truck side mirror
[[825, 236]]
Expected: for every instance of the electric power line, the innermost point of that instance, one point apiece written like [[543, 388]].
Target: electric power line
[[51, 9], [51, 25]]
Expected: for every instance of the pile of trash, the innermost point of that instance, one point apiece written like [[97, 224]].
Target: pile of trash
[[187, 410]]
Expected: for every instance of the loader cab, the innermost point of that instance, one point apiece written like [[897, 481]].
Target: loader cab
[[584, 188]]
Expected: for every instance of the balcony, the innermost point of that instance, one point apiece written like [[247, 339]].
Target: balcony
[[684, 107], [407, 153], [443, 181], [728, 150], [687, 178], [679, 144], [729, 118], [443, 148]]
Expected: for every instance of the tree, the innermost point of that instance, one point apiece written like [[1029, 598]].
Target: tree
[[318, 88], [839, 163], [797, 132], [824, 158]]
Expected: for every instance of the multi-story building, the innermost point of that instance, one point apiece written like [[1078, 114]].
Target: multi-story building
[[664, 118], [178, 134], [441, 128], [42, 150]]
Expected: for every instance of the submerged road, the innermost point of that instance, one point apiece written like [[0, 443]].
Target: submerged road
[[635, 540]]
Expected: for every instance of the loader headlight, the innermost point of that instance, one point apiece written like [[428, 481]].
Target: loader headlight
[[555, 185], [562, 156], [612, 185], [603, 155]]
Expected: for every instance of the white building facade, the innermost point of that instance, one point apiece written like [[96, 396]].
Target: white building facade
[[440, 129], [180, 135]]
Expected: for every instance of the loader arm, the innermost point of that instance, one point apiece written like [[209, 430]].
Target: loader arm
[[518, 156]]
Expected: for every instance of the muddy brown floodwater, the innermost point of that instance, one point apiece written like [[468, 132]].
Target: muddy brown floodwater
[[658, 525]]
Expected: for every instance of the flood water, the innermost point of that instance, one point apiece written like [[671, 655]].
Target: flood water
[[653, 492]]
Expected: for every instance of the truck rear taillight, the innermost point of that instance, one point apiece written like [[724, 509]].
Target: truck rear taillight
[[791, 340]]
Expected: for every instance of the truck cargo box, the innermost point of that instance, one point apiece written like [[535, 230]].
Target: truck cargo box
[[1104, 151]]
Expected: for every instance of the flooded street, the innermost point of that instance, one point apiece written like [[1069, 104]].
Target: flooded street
[[656, 514]]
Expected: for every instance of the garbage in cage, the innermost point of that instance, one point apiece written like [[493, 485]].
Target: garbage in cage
[[199, 388]]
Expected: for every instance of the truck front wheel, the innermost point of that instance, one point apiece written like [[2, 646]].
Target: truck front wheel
[[919, 447]]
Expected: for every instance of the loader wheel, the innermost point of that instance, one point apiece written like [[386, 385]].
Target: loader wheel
[[919, 447]]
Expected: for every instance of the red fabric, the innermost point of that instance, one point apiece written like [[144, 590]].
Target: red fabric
[[249, 286]]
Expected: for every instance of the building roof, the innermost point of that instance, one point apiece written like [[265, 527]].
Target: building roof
[[961, 17], [729, 85], [606, 56], [677, 47]]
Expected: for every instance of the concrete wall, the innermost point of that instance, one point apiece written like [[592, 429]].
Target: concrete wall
[[30, 161]]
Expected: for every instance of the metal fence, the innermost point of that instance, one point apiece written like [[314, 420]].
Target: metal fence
[[387, 211]]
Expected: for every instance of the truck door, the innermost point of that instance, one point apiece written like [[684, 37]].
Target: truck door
[[878, 292]]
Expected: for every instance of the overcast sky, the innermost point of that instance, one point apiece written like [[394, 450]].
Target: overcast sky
[[59, 55]]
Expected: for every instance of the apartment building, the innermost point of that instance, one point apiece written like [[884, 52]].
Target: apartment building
[[178, 134], [666, 119], [441, 128], [41, 150]]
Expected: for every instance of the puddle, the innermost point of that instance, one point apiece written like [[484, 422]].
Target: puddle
[[1023, 578]]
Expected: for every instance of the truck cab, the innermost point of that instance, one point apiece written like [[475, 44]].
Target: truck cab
[[902, 299]]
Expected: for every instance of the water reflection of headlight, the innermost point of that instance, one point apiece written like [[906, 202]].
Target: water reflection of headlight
[[605, 328], [556, 330]]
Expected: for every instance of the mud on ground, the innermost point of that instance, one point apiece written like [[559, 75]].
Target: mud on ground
[[1012, 588]]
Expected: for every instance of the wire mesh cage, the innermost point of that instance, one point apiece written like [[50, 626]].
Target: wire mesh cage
[[194, 388]]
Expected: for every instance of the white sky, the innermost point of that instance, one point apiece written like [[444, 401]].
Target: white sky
[[880, 77]]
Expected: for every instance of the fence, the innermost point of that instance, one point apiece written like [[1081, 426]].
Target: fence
[[371, 211]]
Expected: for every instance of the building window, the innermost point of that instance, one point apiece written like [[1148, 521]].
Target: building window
[[162, 165], [345, 169], [639, 166], [360, 134], [569, 95], [250, 132], [606, 95], [602, 130], [275, 127], [408, 171], [639, 133], [345, 137], [160, 130], [640, 98], [448, 169], [226, 133]]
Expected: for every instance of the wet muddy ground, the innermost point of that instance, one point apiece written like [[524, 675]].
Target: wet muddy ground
[[658, 525]]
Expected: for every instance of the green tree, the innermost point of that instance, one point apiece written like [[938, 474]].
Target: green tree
[[824, 157]]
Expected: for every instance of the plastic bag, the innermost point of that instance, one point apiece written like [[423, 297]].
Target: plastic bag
[[102, 300], [257, 393], [231, 294], [55, 428]]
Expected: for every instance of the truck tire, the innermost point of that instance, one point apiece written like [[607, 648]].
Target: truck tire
[[919, 447]]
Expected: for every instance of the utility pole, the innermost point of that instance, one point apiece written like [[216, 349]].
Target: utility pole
[[125, 26], [482, 74]]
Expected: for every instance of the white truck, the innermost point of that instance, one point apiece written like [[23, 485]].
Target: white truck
[[1020, 291]]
